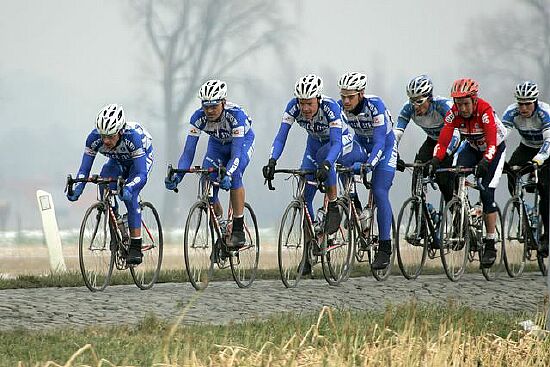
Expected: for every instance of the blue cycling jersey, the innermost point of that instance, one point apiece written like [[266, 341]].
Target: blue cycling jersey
[[372, 123], [133, 149], [534, 130], [233, 127], [432, 122], [326, 126]]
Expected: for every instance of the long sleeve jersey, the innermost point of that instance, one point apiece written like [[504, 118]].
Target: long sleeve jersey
[[432, 122]]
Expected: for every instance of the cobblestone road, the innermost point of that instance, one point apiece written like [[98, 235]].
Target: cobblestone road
[[223, 302]]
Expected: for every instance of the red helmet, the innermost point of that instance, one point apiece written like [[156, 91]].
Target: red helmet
[[464, 88]]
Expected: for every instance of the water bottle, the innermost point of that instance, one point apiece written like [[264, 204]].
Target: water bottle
[[533, 219], [364, 218]]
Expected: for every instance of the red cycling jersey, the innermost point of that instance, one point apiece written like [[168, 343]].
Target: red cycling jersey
[[483, 130]]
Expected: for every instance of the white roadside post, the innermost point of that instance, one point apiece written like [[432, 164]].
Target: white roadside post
[[51, 231]]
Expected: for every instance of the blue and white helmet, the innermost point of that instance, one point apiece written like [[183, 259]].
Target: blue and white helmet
[[110, 120], [353, 81], [420, 86], [309, 86], [527, 92], [213, 91]]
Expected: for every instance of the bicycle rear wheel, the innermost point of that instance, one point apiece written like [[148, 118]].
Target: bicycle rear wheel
[[411, 239], [455, 239], [498, 267], [541, 260], [514, 232], [291, 245], [197, 246], [146, 274], [244, 264], [94, 248], [337, 249], [375, 241]]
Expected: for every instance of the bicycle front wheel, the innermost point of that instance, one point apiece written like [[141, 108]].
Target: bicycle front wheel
[[244, 264], [455, 239], [498, 267], [337, 249], [94, 248], [411, 240], [146, 274], [198, 246], [291, 245], [514, 231]]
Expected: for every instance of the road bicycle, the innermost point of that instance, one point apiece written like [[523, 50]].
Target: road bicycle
[[104, 237], [206, 237], [418, 222], [301, 241], [364, 222], [522, 222], [462, 230]]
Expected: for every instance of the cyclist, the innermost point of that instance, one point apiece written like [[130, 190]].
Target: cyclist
[[128, 147], [372, 124], [230, 145], [328, 138], [428, 112], [485, 150], [531, 118]]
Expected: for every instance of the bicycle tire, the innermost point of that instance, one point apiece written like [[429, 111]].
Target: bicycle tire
[[95, 257], [541, 260], [244, 264], [198, 246], [498, 267], [337, 249], [455, 242], [146, 274], [411, 247], [515, 234], [291, 249]]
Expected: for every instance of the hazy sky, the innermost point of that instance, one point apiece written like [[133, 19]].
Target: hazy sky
[[62, 60]]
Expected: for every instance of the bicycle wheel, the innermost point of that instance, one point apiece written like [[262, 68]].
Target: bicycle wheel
[[541, 260], [514, 233], [411, 241], [197, 246], [291, 245], [337, 249], [455, 239], [146, 274], [244, 264], [94, 248], [498, 267], [375, 243]]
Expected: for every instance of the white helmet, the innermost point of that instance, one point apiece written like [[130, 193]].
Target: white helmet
[[213, 91], [110, 119], [353, 81], [309, 86], [527, 92], [420, 86]]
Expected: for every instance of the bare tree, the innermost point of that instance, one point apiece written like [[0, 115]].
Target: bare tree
[[198, 40], [512, 45]]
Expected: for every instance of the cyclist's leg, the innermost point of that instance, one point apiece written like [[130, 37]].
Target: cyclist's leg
[[382, 180], [544, 191], [520, 156], [309, 163], [111, 169], [215, 155], [333, 214], [490, 208], [237, 193], [357, 154]]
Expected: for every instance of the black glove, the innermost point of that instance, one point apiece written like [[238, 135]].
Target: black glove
[[433, 166], [400, 164], [269, 169], [482, 168], [322, 171]]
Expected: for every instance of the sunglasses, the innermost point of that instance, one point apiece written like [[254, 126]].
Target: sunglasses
[[348, 96], [211, 103], [419, 101], [524, 103]]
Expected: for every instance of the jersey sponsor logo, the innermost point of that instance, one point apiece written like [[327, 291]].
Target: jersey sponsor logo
[[328, 112], [336, 123], [378, 120], [491, 152], [288, 119], [449, 118], [238, 132], [485, 118], [194, 131]]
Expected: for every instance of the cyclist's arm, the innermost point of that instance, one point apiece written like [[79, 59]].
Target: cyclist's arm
[[93, 142], [188, 153], [334, 115], [138, 175], [490, 129], [379, 139], [237, 135], [445, 136], [289, 116], [544, 151], [403, 120]]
